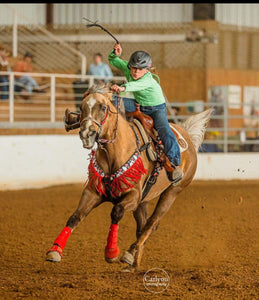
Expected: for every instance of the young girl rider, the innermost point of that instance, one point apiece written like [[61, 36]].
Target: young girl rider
[[148, 93]]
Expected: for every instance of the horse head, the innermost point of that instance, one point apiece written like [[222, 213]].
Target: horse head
[[94, 109]]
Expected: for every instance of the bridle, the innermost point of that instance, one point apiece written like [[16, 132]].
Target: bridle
[[100, 141]]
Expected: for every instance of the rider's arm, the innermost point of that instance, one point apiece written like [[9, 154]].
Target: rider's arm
[[138, 85], [117, 62]]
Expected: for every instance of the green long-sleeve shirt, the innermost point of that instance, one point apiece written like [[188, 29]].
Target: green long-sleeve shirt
[[146, 90]]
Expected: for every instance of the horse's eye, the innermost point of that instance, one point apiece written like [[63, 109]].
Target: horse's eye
[[103, 108]]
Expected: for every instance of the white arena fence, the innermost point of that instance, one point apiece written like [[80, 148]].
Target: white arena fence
[[37, 161], [46, 110]]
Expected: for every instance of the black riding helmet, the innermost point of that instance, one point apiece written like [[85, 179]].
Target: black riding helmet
[[140, 60]]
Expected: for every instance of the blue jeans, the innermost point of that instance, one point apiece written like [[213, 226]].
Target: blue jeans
[[161, 124], [4, 88], [28, 82]]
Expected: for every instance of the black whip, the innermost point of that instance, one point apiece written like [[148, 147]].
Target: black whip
[[94, 24]]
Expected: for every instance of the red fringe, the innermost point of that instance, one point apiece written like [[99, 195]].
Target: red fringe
[[119, 184], [95, 179], [133, 174]]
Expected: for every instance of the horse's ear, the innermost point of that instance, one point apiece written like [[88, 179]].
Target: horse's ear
[[86, 94]]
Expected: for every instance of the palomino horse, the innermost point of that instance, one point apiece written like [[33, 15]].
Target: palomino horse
[[102, 123]]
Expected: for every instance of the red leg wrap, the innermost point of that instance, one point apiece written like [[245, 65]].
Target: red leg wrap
[[111, 249], [61, 240], [55, 248]]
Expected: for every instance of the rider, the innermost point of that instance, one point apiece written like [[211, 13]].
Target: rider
[[149, 95]]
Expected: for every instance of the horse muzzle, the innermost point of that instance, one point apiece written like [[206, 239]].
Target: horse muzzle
[[88, 139]]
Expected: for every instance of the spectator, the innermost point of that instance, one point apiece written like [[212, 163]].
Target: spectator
[[26, 81], [4, 67], [99, 67]]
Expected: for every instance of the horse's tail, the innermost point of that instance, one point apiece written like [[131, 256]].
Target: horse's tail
[[196, 126]]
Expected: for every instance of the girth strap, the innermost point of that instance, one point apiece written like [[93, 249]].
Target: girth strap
[[150, 181], [152, 155], [144, 147]]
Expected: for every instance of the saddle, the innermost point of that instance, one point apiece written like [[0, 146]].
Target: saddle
[[145, 120], [149, 134]]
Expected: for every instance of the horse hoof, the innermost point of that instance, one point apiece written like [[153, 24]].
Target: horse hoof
[[111, 255], [111, 260], [128, 269], [127, 257], [53, 256]]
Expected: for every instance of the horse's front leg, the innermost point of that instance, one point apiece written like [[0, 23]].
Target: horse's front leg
[[128, 203], [88, 201]]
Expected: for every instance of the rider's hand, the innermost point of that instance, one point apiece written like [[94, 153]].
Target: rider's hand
[[117, 89], [117, 49]]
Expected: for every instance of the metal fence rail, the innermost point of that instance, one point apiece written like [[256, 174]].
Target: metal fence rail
[[50, 52], [46, 110], [43, 109]]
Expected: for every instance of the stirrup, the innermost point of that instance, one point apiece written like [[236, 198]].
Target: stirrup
[[176, 181]]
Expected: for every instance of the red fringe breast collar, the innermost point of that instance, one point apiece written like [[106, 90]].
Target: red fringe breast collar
[[118, 182]]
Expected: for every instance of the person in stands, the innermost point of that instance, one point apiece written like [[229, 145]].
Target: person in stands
[[26, 81], [99, 68]]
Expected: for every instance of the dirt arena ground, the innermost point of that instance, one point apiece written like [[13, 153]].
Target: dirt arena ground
[[207, 243]]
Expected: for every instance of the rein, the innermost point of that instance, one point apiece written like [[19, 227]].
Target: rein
[[100, 141], [112, 183]]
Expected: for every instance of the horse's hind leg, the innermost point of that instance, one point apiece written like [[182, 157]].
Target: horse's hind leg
[[140, 215], [88, 201], [164, 203]]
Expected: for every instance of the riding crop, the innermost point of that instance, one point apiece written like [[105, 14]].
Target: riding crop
[[95, 24]]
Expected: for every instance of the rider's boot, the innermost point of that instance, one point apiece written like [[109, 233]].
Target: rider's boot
[[174, 175]]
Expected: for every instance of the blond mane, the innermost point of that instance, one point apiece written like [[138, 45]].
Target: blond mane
[[101, 88]]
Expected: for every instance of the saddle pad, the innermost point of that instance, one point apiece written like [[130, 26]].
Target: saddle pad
[[180, 139]]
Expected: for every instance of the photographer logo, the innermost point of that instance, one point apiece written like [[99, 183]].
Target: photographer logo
[[156, 280]]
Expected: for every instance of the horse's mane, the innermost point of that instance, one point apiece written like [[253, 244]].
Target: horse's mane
[[105, 88], [101, 88]]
